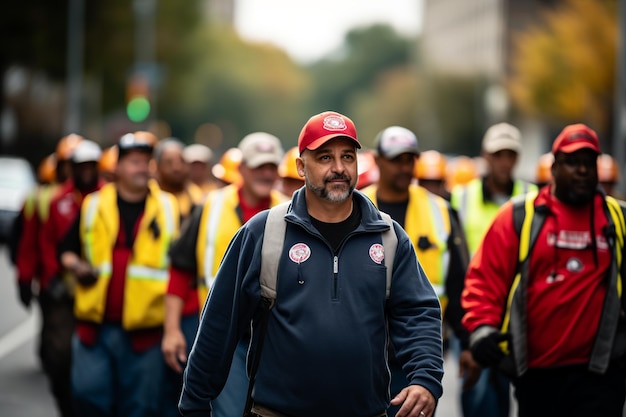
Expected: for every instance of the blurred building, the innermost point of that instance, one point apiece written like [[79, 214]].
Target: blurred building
[[475, 37], [220, 11]]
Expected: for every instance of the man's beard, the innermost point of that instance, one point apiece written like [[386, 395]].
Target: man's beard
[[332, 195]]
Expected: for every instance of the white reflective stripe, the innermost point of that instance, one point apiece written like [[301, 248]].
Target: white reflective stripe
[[439, 289], [169, 212], [442, 235], [90, 218], [91, 209], [211, 236], [463, 202], [105, 268], [145, 272]]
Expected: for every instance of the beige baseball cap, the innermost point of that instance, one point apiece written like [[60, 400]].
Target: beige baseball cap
[[260, 148], [502, 136]]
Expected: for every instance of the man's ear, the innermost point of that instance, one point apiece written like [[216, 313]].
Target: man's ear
[[300, 166]]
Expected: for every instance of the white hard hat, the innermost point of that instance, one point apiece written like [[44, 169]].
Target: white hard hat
[[86, 151]]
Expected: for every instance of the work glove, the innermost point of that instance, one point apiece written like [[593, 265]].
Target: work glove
[[485, 346], [25, 293]]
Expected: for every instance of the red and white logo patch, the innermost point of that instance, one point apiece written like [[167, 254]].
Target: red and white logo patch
[[377, 253], [334, 123], [299, 253]]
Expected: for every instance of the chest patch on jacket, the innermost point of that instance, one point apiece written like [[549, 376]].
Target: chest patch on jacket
[[377, 253], [299, 253]]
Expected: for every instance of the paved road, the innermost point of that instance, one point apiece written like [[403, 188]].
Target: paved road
[[23, 387]]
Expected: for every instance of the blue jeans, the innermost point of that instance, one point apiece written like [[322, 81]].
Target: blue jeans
[[489, 397], [173, 383], [110, 379], [232, 399]]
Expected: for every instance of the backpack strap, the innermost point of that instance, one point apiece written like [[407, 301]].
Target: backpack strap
[[273, 240], [390, 244]]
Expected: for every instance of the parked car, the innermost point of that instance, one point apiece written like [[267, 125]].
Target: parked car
[[17, 179]]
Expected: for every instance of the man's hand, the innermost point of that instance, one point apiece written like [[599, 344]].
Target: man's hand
[[174, 349], [25, 293], [416, 401], [486, 349], [85, 274], [469, 369]]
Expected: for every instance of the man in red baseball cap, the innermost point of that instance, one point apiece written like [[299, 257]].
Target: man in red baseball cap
[[325, 350], [546, 281]]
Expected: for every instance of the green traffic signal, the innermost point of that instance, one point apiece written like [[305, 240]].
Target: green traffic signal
[[138, 109]]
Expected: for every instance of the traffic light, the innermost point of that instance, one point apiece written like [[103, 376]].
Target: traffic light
[[138, 98]]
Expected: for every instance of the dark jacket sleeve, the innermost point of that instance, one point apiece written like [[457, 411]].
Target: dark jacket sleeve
[[454, 283], [71, 241], [183, 250], [235, 296], [414, 317]]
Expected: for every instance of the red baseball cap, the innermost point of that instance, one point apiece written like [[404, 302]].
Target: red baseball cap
[[323, 127], [575, 137]]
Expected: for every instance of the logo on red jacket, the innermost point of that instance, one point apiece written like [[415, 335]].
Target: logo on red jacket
[[377, 253], [299, 253]]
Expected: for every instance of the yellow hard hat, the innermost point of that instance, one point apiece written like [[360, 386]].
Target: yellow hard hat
[[607, 169], [431, 165], [287, 167], [227, 169], [108, 160], [462, 170], [66, 146], [544, 168], [46, 171]]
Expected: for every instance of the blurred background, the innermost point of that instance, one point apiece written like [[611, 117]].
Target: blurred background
[[211, 71]]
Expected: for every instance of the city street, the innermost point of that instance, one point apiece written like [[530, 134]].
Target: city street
[[23, 386]]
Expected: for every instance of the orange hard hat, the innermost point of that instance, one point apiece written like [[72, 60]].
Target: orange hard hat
[[66, 146], [108, 159], [544, 168], [46, 171], [287, 167], [607, 169], [148, 137], [367, 169], [462, 170], [431, 165], [227, 169]]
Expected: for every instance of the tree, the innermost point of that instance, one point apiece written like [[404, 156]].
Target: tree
[[564, 68], [366, 53]]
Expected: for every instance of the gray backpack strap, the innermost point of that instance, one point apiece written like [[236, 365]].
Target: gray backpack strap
[[390, 244], [273, 239]]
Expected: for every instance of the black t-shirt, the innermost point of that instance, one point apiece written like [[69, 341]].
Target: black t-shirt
[[335, 233], [129, 214], [397, 211]]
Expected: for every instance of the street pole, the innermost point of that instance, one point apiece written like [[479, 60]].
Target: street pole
[[619, 130], [145, 44], [74, 82]]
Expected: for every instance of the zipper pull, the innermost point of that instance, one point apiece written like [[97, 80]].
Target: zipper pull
[[335, 264]]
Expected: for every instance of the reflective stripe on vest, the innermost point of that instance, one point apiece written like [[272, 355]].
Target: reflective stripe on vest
[[211, 236]]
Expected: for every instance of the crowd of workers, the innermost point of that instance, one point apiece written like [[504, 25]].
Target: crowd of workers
[[122, 247]]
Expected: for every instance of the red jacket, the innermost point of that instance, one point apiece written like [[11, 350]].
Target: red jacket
[[566, 287], [33, 214], [64, 209]]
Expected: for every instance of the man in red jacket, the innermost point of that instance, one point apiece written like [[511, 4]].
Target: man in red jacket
[[55, 293], [546, 280]]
